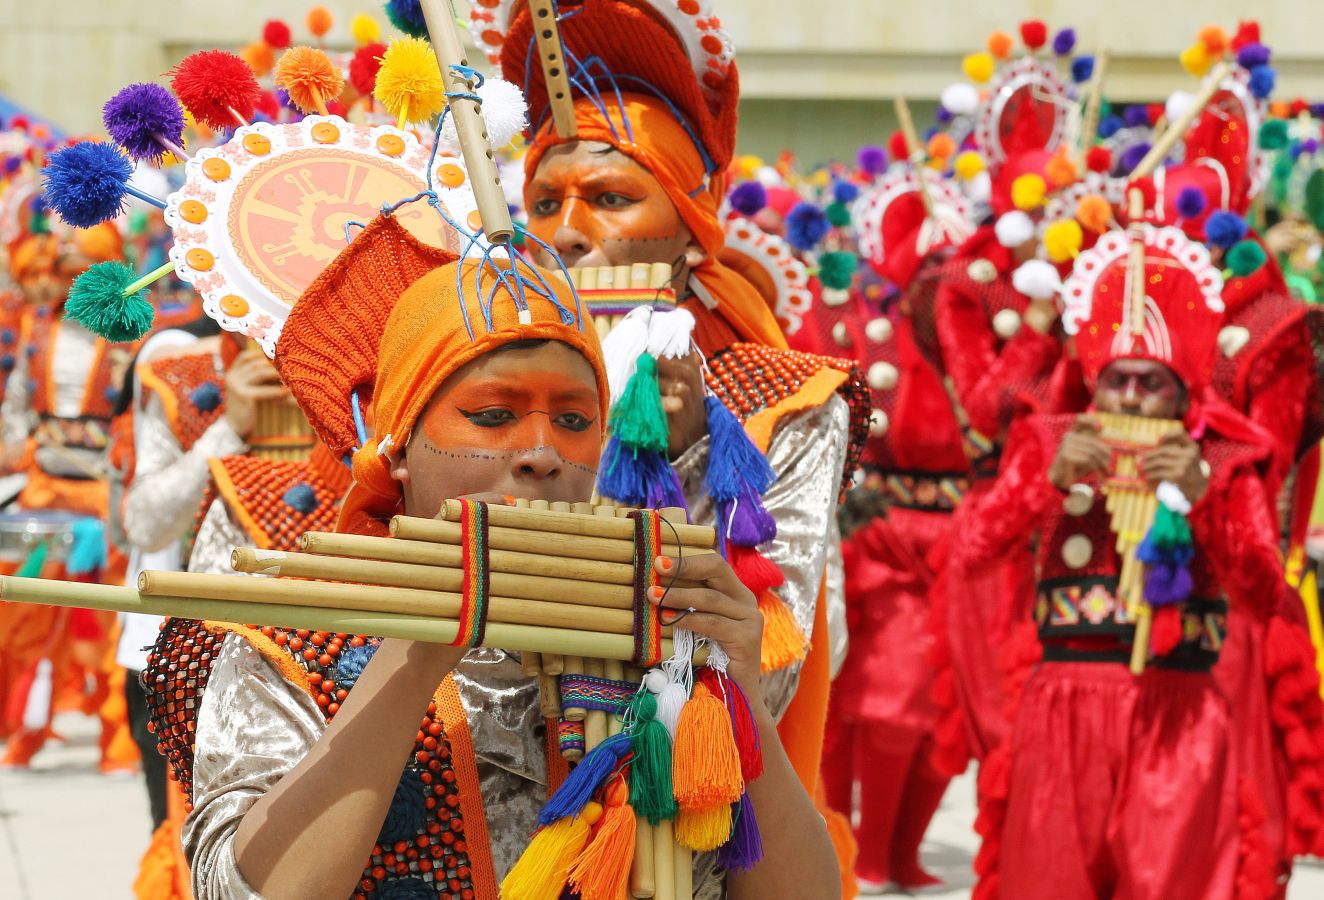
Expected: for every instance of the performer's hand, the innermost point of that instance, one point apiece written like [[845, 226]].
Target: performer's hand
[[681, 383], [1081, 453], [1177, 459], [724, 610], [1042, 315], [251, 379]]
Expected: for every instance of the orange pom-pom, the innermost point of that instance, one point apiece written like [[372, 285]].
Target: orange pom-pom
[[1214, 38], [260, 57], [784, 642], [1000, 44], [1094, 212], [941, 146], [1061, 171], [309, 77], [320, 21]]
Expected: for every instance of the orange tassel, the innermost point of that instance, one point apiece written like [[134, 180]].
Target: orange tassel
[[783, 640], [704, 829], [705, 764], [602, 871]]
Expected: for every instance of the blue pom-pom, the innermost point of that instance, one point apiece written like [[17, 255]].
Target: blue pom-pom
[[86, 183], [7, 336], [112, 394], [806, 225], [351, 663], [1082, 69], [1317, 110], [1108, 126], [1224, 229], [1064, 41], [748, 197], [872, 160], [301, 498], [1252, 55], [405, 889], [1190, 202], [408, 811], [1132, 156], [1308, 147], [1262, 79], [206, 396], [734, 463], [407, 15], [139, 115], [585, 778], [1136, 116], [844, 191]]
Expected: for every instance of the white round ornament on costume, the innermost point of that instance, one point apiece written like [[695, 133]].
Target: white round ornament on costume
[[980, 188], [841, 334], [878, 423], [1077, 551], [1014, 228], [1178, 103], [835, 296], [960, 99], [1232, 339], [879, 330], [1037, 279], [1006, 323], [883, 376]]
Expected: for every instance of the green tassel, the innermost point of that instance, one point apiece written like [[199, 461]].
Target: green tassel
[[637, 419], [1170, 529], [651, 793], [97, 302], [35, 562]]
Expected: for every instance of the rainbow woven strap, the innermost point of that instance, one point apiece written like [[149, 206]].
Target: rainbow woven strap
[[647, 617], [570, 736], [475, 588]]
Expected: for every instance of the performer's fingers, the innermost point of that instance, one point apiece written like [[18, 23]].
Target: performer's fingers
[[709, 569], [1086, 424], [701, 600]]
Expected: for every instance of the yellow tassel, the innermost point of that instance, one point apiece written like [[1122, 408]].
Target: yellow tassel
[[602, 871], [705, 764], [704, 829], [542, 869], [783, 640]]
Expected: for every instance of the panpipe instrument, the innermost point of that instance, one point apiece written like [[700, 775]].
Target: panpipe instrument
[[611, 292], [1132, 505], [281, 432]]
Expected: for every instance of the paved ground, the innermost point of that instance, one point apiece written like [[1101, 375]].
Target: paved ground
[[67, 832]]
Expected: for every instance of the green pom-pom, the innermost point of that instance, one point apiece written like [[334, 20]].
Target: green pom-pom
[[1314, 199], [1245, 257], [637, 419], [1273, 135], [651, 792], [1170, 529], [838, 214], [836, 269], [98, 303]]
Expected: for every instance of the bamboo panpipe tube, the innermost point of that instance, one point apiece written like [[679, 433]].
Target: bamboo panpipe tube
[[643, 878], [574, 665], [664, 868], [1093, 101], [549, 696], [553, 663], [595, 722], [530, 664], [599, 525], [683, 859], [432, 578], [1140, 643], [538, 542]]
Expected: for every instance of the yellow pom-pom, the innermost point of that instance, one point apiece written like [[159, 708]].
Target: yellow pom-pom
[[541, 872], [1000, 44], [1027, 191], [968, 165], [365, 29], [704, 829], [320, 21], [978, 67], [409, 82], [1061, 171], [1094, 212], [1062, 240], [941, 146], [260, 57], [310, 78], [747, 166], [1196, 60]]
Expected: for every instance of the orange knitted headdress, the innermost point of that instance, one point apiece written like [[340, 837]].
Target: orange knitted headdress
[[401, 317]]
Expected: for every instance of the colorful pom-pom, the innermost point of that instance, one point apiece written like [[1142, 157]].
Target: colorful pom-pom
[[999, 44], [215, 86], [1214, 39], [1082, 69], [1136, 116], [1034, 33], [836, 269], [1037, 279], [319, 21], [1245, 258], [1196, 60], [978, 67], [1064, 41], [407, 15], [872, 160], [363, 67], [1132, 156], [310, 78], [276, 34], [1191, 202], [968, 165], [748, 197], [409, 81], [1099, 159], [144, 119], [97, 301], [1028, 191], [941, 146], [1062, 240], [1094, 212], [1224, 229], [1262, 79], [838, 215], [1109, 125], [960, 99], [1247, 33], [365, 29], [845, 191], [1013, 229], [1060, 171], [260, 58], [1251, 55], [806, 225], [86, 183]]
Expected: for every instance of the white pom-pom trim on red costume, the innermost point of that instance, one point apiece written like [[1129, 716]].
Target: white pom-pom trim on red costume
[[1037, 279], [960, 99], [1014, 228]]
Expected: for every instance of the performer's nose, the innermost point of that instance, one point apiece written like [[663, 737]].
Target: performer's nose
[[538, 462], [571, 240]]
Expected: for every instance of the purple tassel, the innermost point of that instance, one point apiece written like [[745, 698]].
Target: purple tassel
[[744, 848], [1166, 584], [664, 488], [748, 524]]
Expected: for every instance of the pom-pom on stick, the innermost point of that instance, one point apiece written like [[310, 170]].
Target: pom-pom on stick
[[319, 22], [363, 68], [748, 197], [109, 300], [310, 78], [146, 121], [260, 57], [407, 15], [409, 81], [276, 34], [806, 225], [87, 182], [365, 29], [218, 88]]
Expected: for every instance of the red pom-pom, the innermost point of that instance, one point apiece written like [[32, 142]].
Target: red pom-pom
[[277, 34], [1247, 33], [897, 147], [1146, 187], [1155, 111], [1099, 159], [336, 108], [1034, 34], [363, 67], [268, 105], [211, 83], [1299, 105], [19, 123]]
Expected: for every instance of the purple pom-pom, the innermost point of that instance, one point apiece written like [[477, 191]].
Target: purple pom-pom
[[1262, 80], [1167, 583], [1064, 41], [12, 164], [1136, 116], [844, 192], [86, 183], [1190, 202], [1108, 126], [1082, 69], [1309, 147], [1317, 110], [1252, 55], [1224, 229], [806, 225], [944, 115], [872, 160], [748, 197], [140, 117], [1132, 156]]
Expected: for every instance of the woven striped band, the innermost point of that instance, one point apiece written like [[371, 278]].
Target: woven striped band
[[647, 617], [602, 694], [570, 736], [477, 574]]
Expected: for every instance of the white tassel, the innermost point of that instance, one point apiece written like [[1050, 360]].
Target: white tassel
[[679, 680], [37, 711], [621, 349], [670, 333]]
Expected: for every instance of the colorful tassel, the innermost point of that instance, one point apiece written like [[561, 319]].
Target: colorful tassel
[[543, 868], [744, 521], [705, 769], [743, 727], [745, 847], [602, 870], [650, 772], [636, 477], [1167, 550], [755, 571], [638, 418], [734, 462], [704, 829], [35, 561], [585, 779], [784, 642]]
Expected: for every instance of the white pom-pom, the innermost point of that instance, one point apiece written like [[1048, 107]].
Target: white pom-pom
[[883, 376], [960, 99], [505, 111], [1014, 228], [1177, 105], [1172, 498], [878, 423], [769, 177], [1232, 339], [979, 188], [835, 296], [878, 330], [1037, 279], [841, 334], [1006, 323]]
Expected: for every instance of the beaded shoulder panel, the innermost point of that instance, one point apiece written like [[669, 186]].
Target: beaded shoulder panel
[[11, 327], [749, 378], [192, 393], [423, 848], [275, 502]]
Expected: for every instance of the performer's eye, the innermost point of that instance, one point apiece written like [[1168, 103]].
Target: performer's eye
[[573, 421], [489, 418], [545, 207], [613, 200]]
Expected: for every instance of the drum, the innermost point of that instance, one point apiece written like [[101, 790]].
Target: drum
[[21, 532]]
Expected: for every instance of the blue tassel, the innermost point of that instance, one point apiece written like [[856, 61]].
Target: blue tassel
[[593, 770], [744, 848], [642, 478], [734, 463], [88, 552]]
